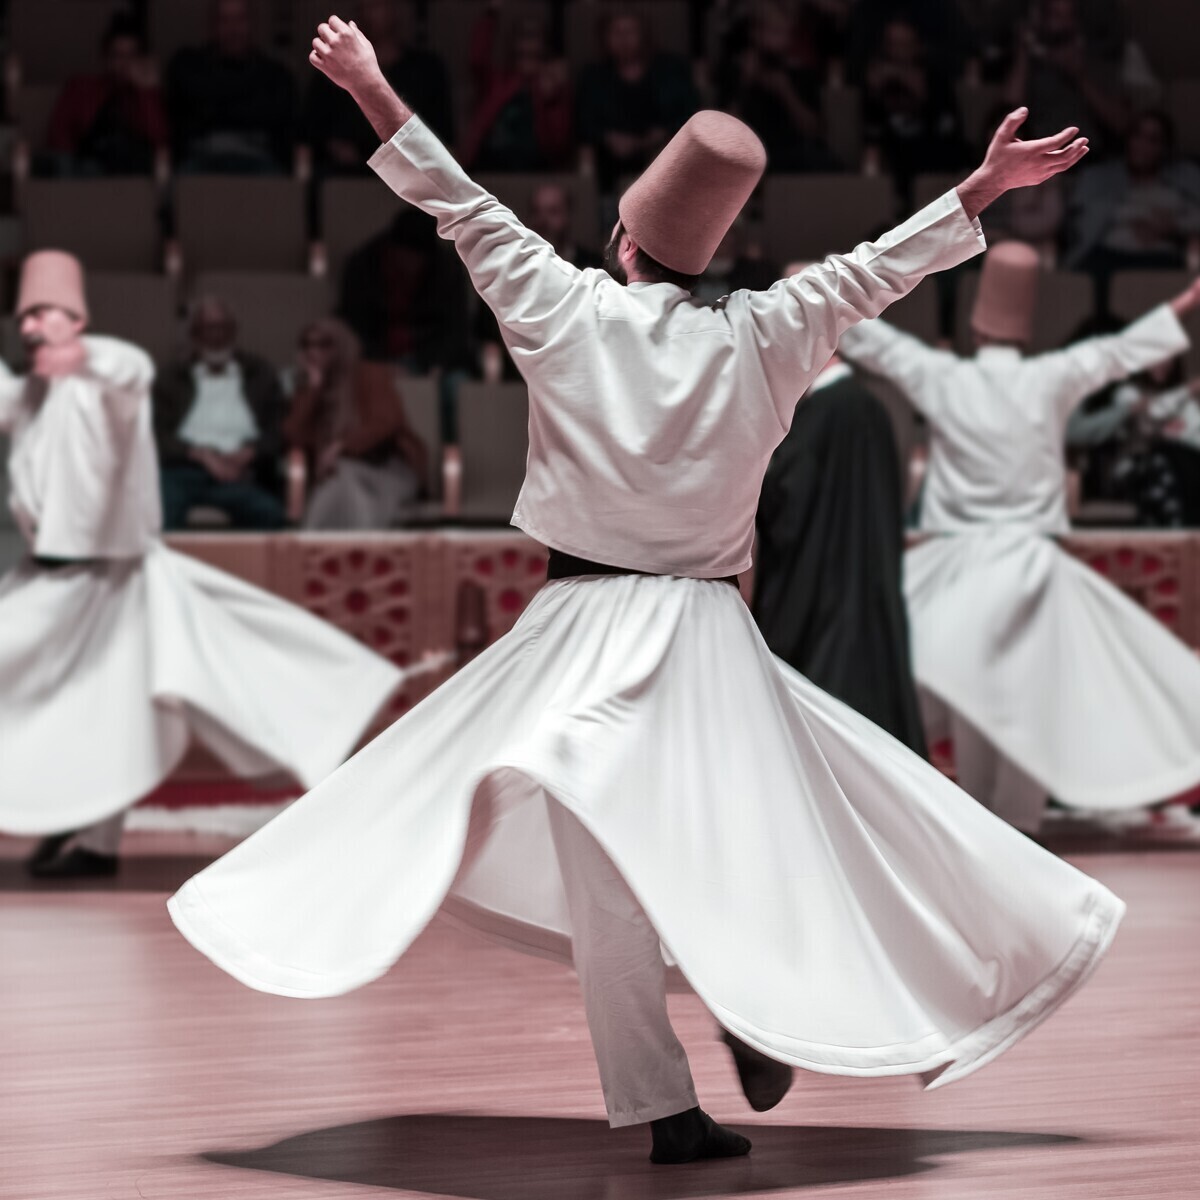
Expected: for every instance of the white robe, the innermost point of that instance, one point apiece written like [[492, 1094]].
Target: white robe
[[109, 666], [1089, 696], [835, 901]]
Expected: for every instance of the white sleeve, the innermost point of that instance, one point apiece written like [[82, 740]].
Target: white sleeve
[[124, 373], [904, 361], [798, 322], [12, 388], [1086, 367], [516, 272]]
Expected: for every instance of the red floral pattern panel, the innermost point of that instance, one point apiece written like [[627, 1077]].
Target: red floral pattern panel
[[374, 590], [490, 578], [1157, 571]]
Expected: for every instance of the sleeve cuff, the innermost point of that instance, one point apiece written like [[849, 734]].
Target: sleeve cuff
[[411, 128]]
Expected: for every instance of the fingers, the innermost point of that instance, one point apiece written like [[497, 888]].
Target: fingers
[[320, 47], [1057, 142], [1063, 160], [1009, 126], [338, 25]]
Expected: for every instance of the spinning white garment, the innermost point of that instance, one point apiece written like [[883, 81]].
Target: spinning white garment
[[107, 670], [833, 899], [1063, 673], [1082, 692]]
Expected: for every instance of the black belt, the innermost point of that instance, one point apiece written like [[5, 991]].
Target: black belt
[[567, 566], [57, 564]]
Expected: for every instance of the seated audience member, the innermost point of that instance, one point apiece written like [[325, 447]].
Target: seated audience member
[[910, 109], [341, 137], [1137, 211], [364, 461], [1065, 77], [402, 293], [550, 214], [943, 27], [111, 122], [522, 114], [632, 101], [766, 85], [216, 421], [231, 106]]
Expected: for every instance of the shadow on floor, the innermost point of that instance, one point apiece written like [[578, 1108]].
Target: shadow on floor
[[165, 873], [548, 1158]]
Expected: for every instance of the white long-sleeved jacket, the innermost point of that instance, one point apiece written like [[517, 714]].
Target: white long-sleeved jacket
[[998, 421], [652, 414], [83, 472]]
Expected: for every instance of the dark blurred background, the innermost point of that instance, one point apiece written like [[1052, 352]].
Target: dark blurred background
[[216, 188]]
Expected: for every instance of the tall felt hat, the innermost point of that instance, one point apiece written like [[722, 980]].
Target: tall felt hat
[[52, 277], [687, 198], [1004, 304]]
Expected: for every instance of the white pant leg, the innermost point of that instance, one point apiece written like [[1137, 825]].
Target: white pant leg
[[995, 780], [102, 838], [643, 1068]]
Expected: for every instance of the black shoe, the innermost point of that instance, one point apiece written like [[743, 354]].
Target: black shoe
[[48, 849], [764, 1081], [692, 1135], [77, 863]]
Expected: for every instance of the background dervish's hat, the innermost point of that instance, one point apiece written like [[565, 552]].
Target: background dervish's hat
[[1007, 296], [52, 277], [686, 199]]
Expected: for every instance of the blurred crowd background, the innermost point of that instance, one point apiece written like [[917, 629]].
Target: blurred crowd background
[[322, 360]]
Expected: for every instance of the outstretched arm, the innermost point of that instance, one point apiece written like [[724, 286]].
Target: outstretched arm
[[799, 321], [516, 272], [904, 361], [1090, 365]]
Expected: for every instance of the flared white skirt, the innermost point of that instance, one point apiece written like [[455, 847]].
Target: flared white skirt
[[1065, 675], [107, 671], [833, 899]]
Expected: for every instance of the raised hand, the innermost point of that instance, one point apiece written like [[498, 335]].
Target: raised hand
[[1188, 299], [1011, 163], [342, 52]]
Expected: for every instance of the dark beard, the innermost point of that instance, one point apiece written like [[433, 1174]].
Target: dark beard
[[611, 263]]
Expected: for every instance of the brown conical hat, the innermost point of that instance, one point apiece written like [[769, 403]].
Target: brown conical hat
[[1007, 296], [687, 198], [52, 277]]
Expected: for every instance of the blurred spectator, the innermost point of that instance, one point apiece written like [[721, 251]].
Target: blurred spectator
[[521, 117], [737, 264], [111, 122], [631, 102], [1066, 77], [941, 25], [1139, 443], [364, 461], [341, 137], [216, 421], [911, 112], [1138, 211], [552, 215], [231, 106], [766, 85], [402, 293]]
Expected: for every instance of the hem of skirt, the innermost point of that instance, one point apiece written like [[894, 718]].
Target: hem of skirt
[[1097, 796], [93, 815], [931, 1057]]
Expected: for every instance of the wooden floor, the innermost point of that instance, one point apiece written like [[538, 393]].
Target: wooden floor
[[132, 1068]]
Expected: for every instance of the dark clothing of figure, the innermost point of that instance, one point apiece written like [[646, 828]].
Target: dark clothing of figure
[[230, 115], [788, 147], [916, 133], [251, 502], [330, 113], [105, 126], [403, 295], [827, 586], [662, 99]]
